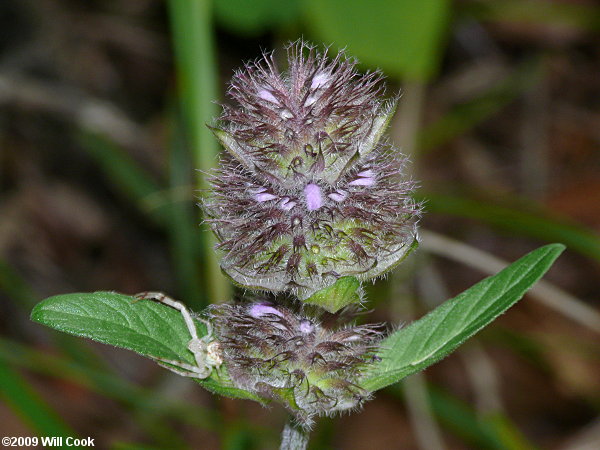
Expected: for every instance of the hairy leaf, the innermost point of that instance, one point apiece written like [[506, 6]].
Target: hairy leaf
[[440, 332], [144, 326]]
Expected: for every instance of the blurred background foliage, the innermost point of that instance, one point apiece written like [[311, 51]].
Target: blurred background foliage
[[102, 113]]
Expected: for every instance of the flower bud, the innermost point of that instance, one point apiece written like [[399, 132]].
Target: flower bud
[[286, 357], [307, 192]]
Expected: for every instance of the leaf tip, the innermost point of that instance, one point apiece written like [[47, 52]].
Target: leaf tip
[[555, 249], [37, 313]]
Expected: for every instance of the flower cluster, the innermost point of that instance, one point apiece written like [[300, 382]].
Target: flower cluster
[[284, 356], [308, 200], [307, 192]]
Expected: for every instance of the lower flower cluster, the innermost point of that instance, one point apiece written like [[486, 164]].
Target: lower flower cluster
[[284, 356]]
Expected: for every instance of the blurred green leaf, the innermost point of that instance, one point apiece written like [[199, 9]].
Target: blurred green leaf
[[125, 174], [562, 13], [146, 327], [463, 117], [237, 436], [255, 16], [170, 208], [440, 332], [460, 418], [24, 297], [482, 431], [402, 37], [132, 446], [104, 383], [522, 219], [193, 42], [20, 396], [495, 430], [508, 434], [15, 286]]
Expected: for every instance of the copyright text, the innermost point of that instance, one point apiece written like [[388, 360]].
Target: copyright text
[[46, 441]]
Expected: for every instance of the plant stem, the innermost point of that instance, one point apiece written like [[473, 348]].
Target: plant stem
[[193, 42], [294, 436]]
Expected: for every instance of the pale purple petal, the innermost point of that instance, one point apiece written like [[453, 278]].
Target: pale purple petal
[[363, 182], [306, 327], [338, 196], [258, 310], [264, 197], [310, 100], [268, 96], [366, 173], [286, 204], [312, 192], [319, 80]]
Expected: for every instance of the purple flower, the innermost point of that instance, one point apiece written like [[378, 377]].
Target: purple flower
[[259, 310], [281, 355], [306, 191]]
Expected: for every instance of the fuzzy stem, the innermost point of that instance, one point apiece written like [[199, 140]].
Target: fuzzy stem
[[294, 436]]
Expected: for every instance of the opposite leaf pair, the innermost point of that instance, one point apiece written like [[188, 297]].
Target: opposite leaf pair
[[160, 332]]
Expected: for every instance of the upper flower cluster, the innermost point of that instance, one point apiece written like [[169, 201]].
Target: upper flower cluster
[[307, 192]]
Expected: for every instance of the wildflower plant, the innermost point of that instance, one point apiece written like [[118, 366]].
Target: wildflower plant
[[309, 201]]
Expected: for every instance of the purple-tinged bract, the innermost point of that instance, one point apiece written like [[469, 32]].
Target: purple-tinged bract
[[283, 356], [306, 192]]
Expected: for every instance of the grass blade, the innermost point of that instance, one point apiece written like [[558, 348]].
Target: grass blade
[[26, 402], [517, 219], [183, 230], [191, 23]]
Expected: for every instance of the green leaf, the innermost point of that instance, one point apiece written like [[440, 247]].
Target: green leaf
[[465, 116], [440, 332], [402, 37], [144, 326], [255, 16], [333, 298]]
